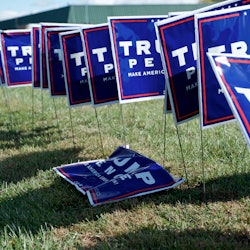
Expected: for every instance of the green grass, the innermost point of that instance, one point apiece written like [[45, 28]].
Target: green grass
[[40, 210]]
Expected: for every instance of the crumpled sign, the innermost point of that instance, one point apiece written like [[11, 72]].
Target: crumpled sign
[[125, 174]]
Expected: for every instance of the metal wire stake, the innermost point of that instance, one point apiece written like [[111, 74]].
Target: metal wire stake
[[99, 130], [55, 109], [8, 105], [72, 130], [123, 126], [33, 109], [203, 167], [182, 155], [164, 138]]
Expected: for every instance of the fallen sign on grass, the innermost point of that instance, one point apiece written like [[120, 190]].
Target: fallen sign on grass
[[125, 174]]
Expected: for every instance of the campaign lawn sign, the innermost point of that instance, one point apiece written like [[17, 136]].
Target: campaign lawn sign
[[138, 66], [232, 73], [74, 68], [100, 65], [2, 81], [125, 174], [16, 55], [35, 45], [43, 66], [176, 36], [222, 31], [53, 56]]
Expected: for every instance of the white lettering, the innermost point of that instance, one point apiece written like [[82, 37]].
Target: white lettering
[[146, 177], [99, 163], [132, 168], [239, 48], [180, 54], [143, 46], [244, 91], [125, 45], [26, 50], [77, 56], [131, 74], [100, 53], [157, 46], [108, 67], [123, 176], [149, 62], [121, 162], [59, 53], [192, 86], [110, 170], [19, 61], [109, 78], [220, 91], [83, 71], [132, 63], [217, 49], [194, 48], [190, 71], [13, 50]]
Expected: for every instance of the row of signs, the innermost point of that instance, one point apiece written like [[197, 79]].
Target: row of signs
[[132, 59]]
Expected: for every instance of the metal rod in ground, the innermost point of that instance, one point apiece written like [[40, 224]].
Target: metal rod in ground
[[123, 126], [241, 159], [203, 167], [72, 129], [42, 104], [43, 124], [244, 152], [99, 131], [164, 122], [57, 120], [182, 155], [5, 93], [164, 140], [33, 110]]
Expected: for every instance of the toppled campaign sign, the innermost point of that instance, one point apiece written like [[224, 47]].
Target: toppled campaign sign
[[125, 174]]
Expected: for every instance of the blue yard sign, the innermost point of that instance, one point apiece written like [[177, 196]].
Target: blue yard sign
[[35, 34], [136, 53], [125, 174], [54, 58], [100, 65], [232, 73], [43, 66], [17, 57], [222, 31], [179, 57], [75, 71], [2, 80]]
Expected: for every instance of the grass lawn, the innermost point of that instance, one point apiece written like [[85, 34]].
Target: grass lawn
[[40, 210]]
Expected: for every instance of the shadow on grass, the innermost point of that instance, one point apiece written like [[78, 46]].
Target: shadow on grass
[[226, 188], [156, 238], [14, 138], [61, 205], [17, 168]]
